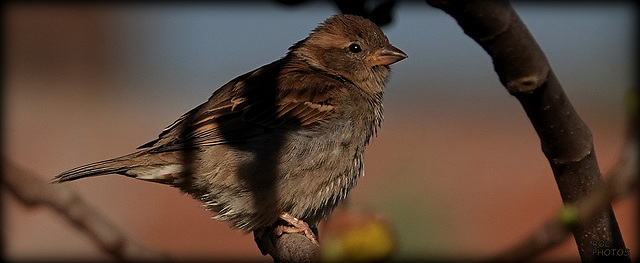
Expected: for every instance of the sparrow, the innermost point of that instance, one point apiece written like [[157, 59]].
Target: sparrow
[[283, 142]]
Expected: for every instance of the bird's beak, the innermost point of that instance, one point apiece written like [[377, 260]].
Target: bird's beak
[[387, 56]]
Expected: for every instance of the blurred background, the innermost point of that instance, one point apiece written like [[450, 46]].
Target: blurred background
[[456, 167]]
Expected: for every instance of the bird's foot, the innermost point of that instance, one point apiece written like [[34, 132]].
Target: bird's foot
[[297, 227]]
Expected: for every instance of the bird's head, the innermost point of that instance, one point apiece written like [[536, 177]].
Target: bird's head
[[350, 46]]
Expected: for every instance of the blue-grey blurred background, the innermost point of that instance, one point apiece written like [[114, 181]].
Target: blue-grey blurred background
[[456, 167]]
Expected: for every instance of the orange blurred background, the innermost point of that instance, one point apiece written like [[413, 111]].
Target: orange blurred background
[[456, 166]]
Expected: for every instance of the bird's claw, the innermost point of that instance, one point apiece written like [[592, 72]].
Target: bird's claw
[[297, 226]]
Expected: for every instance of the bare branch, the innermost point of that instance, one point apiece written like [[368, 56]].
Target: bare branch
[[556, 230], [566, 140], [32, 191], [622, 181]]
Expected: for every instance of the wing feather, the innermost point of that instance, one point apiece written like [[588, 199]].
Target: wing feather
[[248, 106]]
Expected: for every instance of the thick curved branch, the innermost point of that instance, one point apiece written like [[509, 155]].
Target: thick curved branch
[[32, 191], [622, 181], [556, 230], [566, 140]]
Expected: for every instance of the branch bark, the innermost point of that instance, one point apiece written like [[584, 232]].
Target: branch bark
[[622, 181], [288, 247], [566, 140], [33, 191], [556, 230]]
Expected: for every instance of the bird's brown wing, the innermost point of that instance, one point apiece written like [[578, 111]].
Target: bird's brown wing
[[246, 107]]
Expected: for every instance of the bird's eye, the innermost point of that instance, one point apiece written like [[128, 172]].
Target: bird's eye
[[355, 48]]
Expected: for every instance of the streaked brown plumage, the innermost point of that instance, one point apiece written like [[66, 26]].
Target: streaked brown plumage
[[286, 137]]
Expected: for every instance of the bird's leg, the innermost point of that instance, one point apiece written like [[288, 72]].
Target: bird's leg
[[297, 226]]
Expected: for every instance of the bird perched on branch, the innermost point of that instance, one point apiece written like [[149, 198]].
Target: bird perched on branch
[[285, 141]]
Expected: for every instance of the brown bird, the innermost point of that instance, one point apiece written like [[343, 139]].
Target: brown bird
[[283, 141]]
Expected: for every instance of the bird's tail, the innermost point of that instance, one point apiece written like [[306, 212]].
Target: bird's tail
[[118, 165], [162, 167]]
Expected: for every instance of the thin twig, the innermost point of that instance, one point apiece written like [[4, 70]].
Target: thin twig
[[33, 191]]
